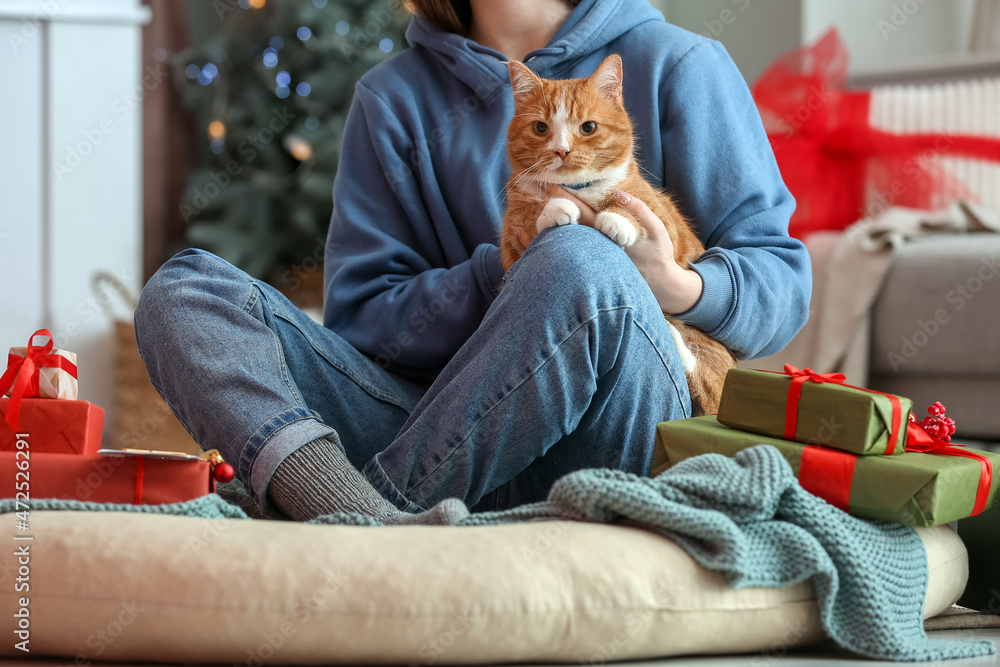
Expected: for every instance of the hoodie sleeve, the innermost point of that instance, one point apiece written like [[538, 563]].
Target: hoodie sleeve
[[389, 290], [719, 164]]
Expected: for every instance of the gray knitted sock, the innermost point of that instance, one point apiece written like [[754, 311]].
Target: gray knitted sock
[[317, 479]]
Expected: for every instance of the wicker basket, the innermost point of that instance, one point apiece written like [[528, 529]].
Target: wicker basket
[[140, 418]]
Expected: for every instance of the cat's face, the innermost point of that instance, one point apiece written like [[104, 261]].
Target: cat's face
[[571, 131]]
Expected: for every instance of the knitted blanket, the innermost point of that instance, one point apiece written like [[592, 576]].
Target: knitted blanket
[[746, 517]]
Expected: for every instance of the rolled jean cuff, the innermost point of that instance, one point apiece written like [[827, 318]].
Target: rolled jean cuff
[[376, 475], [274, 442]]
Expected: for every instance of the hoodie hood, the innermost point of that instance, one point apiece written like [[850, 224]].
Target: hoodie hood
[[590, 27]]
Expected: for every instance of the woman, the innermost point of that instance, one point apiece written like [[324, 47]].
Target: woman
[[425, 376]]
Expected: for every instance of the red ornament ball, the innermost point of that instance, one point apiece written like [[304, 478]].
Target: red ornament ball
[[224, 473]]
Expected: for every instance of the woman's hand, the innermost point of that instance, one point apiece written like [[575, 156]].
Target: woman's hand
[[675, 288]]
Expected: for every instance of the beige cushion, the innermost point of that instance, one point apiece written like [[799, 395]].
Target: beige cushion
[[137, 587]]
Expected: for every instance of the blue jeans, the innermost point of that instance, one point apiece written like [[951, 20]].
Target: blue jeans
[[572, 367]]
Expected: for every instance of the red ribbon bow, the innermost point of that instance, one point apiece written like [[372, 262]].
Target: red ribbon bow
[[828, 153], [919, 440], [23, 373], [801, 376]]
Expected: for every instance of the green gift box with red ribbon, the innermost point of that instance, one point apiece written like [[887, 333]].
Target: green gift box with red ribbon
[[915, 488], [817, 409]]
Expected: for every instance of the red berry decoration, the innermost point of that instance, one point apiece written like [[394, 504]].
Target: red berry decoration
[[223, 473], [938, 425]]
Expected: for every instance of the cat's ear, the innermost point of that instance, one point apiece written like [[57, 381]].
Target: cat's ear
[[608, 78], [522, 79]]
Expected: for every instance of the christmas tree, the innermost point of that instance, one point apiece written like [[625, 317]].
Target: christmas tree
[[270, 87]]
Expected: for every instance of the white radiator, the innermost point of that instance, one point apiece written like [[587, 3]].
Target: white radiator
[[965, 107]]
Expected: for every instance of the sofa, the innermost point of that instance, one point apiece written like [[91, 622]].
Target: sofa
[[935, 330]]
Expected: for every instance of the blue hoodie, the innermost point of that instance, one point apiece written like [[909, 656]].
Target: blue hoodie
[[412, 261]]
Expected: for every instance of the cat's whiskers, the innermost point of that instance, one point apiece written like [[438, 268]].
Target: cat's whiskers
[[536, 110], [599, 180], [528, 170], [524, 174], [502, 195], [641, 168]]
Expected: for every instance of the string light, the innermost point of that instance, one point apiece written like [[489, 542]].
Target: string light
[[217, 129], [257, 4], [208, 74], [299, 148]]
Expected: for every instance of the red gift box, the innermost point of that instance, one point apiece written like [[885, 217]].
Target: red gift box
[[138, 480], [55, 426]]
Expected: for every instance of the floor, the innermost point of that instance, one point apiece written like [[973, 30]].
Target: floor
[[831, 656], [827, 655]]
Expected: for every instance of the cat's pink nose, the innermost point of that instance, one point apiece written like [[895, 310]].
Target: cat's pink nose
[[561, 154]]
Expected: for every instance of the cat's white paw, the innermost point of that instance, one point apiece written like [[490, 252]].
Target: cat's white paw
[[558, 211], [617, 227]]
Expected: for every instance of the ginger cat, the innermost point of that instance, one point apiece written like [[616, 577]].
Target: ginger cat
[[576, 133]]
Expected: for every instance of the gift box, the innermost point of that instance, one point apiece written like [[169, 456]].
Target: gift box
[[816, 409], [57, 381], [54, 427], [139, 480], [40, 371], [916, 489]]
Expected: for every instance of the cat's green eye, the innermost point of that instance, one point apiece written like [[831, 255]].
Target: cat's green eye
[[588, 127], [541, 128]]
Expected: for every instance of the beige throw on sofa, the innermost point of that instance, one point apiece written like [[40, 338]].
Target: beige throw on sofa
[[848, 272]]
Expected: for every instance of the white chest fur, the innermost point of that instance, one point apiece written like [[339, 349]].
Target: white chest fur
[[599, 184]]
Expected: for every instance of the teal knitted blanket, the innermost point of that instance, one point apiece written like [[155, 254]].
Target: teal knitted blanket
[[746, 517]]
